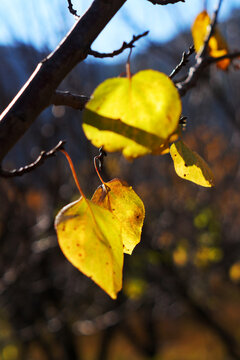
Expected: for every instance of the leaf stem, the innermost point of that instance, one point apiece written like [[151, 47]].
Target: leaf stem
[[73, 172], [128, 70], [97, 171]]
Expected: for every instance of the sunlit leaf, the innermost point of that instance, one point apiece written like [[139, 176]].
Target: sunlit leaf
[[190, 166], [217, 46], [90, 238], [126, 205], [136, 116]]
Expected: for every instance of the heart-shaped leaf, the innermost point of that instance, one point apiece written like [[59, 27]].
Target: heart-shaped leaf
[[134, 115], [90, 238]]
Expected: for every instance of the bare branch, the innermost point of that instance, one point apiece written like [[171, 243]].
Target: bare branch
[[39, 161], [165, 2], [183, 61], [196, 71], [68, 99], [124, 46], [201, 59], [71, 9]]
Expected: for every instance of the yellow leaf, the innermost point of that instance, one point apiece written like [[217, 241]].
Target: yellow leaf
[[126, 205], [234, 272], [136, 116], [190, 166], [217, 45], [90, 238], [180, 256]]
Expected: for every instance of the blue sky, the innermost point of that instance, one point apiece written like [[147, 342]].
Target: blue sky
[[43, 23]]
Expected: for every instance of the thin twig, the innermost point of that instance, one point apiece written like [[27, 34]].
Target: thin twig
[[68, 99], [183, 61], [39, 161], [234, 55], [165, 2], [71, 9], [196, 70], [201, 59], [211, 30], [124, 46]]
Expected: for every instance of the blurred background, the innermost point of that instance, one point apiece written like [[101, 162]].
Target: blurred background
[[181, 289]]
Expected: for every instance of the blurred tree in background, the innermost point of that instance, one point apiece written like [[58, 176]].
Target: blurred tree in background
[[181, 295]]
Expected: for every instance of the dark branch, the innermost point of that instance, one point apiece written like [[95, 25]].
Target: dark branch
[[183, 61], [165, 2], [39, 161], [234, 55], [124, 46], [68, 99], [201, 59], [71, 9], [196, 71]]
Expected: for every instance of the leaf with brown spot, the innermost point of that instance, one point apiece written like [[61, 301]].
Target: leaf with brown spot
[[126, 205]]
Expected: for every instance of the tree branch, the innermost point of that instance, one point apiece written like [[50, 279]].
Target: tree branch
[[68, 99], [71, 9], [124, 46], [201, 59], [196, 71], [39, 161], [234, 55], [34, 96], [183, 61], [165, 2], [211, 30]]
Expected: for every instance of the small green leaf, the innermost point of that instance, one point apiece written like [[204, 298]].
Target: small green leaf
[[90, 238], [190, 166], [136, 116], [126, 205]]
